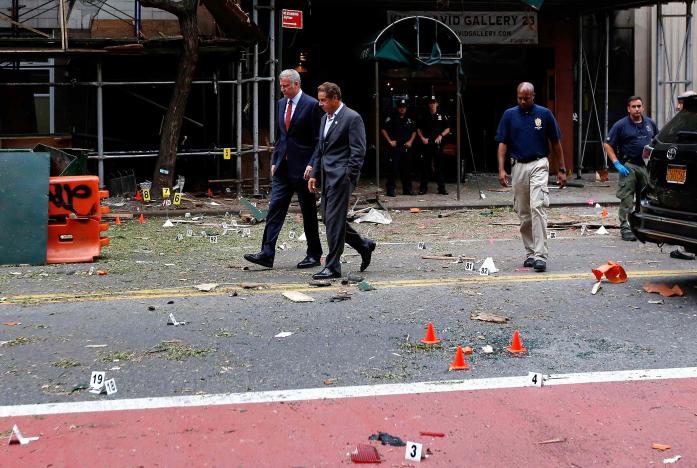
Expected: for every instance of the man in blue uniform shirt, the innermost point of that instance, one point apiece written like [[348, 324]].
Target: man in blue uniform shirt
[[525, 134], [624, 145]]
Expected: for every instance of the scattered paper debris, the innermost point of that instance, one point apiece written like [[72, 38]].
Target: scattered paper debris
[[601, 231], [168, 223], [663, 289], [489, 317], [283, 334], [660, 301], [302, 237], [175, 322], [206, 286], [488, 349], [296, 296], [674, 459], [375, 216], [95, 346]]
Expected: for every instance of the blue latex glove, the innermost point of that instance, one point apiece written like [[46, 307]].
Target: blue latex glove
[[624, 172]]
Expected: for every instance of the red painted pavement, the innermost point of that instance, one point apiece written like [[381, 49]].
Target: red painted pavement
[[609, 424]]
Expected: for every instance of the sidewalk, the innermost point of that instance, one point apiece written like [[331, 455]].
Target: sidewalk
[[579, 194]]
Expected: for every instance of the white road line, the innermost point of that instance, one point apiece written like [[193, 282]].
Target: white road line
[[344, 392]]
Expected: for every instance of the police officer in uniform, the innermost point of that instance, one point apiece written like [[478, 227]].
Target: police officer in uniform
[[624, 145], [432, 129], [399, 131]]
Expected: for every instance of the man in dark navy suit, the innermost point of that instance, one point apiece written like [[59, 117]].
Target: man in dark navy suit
[[338, 159], [298, 132]]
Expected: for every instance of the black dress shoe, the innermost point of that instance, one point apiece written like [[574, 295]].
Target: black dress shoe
[[259, 259], [529, 262], [409, 193], [540, 265], [326, 273], [366, 255], [309, 262]]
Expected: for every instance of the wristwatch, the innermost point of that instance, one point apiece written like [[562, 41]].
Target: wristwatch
[[562, 170]]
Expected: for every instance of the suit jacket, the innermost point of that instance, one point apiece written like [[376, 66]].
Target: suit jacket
[[300, 140], [340, 154]]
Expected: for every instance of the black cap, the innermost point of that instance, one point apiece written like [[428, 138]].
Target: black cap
[[432, 99], [402, 103]]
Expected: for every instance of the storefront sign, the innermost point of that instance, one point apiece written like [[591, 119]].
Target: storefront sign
[[482, 27]]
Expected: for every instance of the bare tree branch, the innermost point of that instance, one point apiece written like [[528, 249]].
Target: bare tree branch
[[176, 8]]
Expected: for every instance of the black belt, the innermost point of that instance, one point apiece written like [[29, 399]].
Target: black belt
[[528, 160]]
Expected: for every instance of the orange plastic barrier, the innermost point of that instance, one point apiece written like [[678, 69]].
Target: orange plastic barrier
[[76, 196], [75, 240]]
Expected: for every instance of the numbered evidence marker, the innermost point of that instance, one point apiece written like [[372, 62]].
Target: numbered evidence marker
[[110, 386], [413, 451], [227, 153], [552, 235], [177, 199], [246, 232], [484, 271], [213, 239], [189, 232], [97, 381], [165, 192], [535, 379], [180, 237], [422, 245], [146, 194], [291, 235], [469, 266]]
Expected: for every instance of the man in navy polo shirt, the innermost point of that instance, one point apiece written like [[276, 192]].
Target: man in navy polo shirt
[[624, 145], [525, 134]]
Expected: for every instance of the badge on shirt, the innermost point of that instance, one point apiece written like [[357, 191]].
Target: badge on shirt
[[538, 123], [440, 117]]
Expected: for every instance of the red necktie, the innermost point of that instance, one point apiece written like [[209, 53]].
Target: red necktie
[[289, 111]]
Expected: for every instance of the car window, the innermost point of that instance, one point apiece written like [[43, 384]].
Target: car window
[[681, 129]]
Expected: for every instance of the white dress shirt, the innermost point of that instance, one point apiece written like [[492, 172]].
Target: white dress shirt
[[330, 119]]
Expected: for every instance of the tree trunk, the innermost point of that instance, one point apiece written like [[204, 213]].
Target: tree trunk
[[171, 128]]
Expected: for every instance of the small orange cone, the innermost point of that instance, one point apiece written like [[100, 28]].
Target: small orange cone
[[516, 345], [430, 337], [209, 192], [141, 219], [459, 362], [138, 198], [612, 271], [604, 213], [118, 220]]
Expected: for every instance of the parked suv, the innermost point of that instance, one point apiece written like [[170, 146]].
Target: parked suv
[[666, 210]]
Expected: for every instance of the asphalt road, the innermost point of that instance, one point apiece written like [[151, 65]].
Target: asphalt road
[[229, 344]]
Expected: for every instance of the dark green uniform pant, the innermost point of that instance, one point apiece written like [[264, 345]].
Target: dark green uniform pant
[[627, 187]]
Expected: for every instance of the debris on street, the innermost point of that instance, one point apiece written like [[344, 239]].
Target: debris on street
[[387, 439], [365, 286], [283, 334], [375, 216], [663, 289], [596, 287], [661, 447], [17, 438], [432, 434], [296, 296], [613, 272], [556, 440], [365, 453], [206, 287], [671, 460], [489, 317], [320, 283]]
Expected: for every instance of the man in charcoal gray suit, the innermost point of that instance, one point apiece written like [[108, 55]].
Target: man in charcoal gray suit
[[338, 158]]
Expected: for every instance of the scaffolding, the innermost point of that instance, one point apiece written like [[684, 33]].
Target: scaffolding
[[244, 88]]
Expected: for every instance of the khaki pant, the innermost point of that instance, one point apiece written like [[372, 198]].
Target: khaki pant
[[530, 198], [634, 183]]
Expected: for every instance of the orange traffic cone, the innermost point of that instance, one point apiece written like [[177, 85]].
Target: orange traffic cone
[[459, 362], [118, 220], [141, 219], [430, 337], [209, 192], [612, 271], [604, 213], [516, 345], [138, 198]]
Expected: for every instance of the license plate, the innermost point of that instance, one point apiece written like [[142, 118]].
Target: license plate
[[676, 174]]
